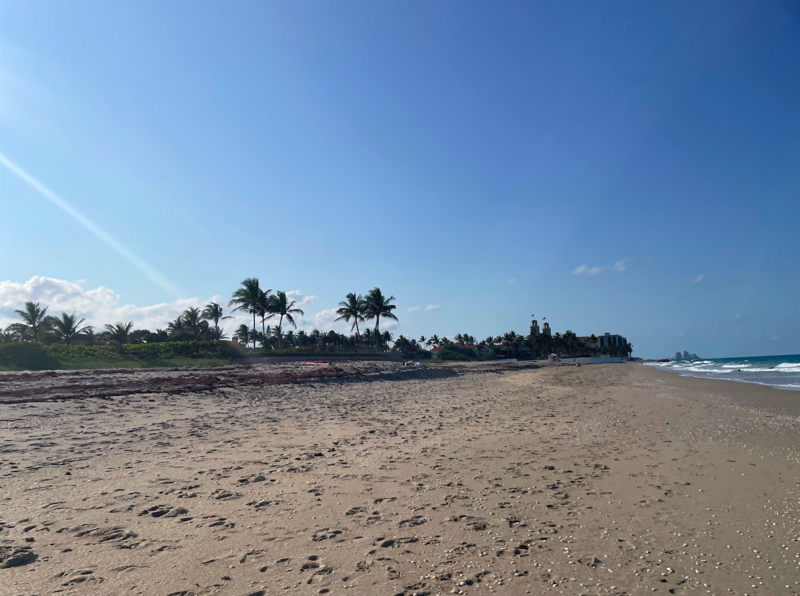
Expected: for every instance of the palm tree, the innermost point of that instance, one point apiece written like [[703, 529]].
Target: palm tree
[[278, 335], [434, 341], [119, 333], [91, 338], [191, 320], [67, 328], [35, 322], [175, 327], [250, 298], [242, 334], [513, 340], [352, 308], [301, 339], [376, 305], [281, 306], [213, 312], [265, 313]]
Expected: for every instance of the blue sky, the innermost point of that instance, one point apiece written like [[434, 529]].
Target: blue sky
[[631, 167]]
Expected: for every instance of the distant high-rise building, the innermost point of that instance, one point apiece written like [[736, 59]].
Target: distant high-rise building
[[685, 356]]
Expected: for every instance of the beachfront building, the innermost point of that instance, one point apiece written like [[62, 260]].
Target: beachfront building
[[607, 343], [607, 340], [535, 328]]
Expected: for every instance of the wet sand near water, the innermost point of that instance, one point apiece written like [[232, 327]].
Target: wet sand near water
[[607, 479]]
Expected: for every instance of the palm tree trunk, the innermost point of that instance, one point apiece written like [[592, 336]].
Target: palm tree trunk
[[263, 335], [377, 329], [280, 337], [254, 330]]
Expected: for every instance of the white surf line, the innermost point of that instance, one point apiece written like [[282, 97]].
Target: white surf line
[[149, 271]]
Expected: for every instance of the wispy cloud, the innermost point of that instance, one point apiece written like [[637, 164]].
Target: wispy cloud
[[413, 308], [511, 280], [586, 270], [699, 278], [148, 270], [618, 267], [433, 306]]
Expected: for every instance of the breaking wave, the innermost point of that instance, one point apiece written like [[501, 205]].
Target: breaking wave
[[782, 372]]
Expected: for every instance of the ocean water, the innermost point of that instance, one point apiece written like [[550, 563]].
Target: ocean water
[[782, 372]]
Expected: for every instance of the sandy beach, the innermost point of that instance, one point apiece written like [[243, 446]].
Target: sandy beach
[[372, 479]]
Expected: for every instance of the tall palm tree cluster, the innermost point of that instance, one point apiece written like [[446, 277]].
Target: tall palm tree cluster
[[264, 306], [37, 325], [360, 309], [195, 324]]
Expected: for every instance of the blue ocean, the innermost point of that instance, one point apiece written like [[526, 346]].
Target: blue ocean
[[781, 372]]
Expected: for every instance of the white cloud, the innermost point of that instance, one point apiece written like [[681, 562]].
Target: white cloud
[[98, 306], [433, 306], [511, 280], [303, 302], [619, 266], [325, 320], [699, 278], [586, 270], [414, 308]]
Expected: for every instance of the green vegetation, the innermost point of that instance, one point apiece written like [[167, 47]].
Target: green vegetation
[[352, 309], [376, 305], [26, 356], [458, 354], [41, 341], [36, 356]]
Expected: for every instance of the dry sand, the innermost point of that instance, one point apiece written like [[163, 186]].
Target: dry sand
[[612, 479]]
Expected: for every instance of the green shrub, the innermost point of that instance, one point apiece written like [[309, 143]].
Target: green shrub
[[458, 354], [154, 352], [73, 353], [23, 355]]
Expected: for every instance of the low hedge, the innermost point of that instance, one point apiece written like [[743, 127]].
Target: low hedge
[[457, 354], [148, 352], [23, 355], [35, 356]]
